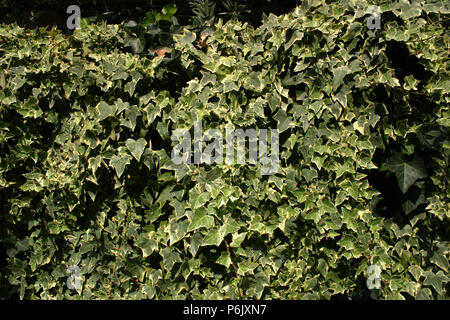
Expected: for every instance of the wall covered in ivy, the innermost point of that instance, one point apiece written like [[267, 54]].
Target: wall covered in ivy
[[87, 180]]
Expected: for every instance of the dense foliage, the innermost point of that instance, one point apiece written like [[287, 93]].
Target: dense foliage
[[33, 13], [86, 177]]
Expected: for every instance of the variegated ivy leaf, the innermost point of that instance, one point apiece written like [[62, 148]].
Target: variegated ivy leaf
[[136, 147]]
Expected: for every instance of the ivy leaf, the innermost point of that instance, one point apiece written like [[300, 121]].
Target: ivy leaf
[[347, 243], [136, 147], [147, 244], [131, 114], [406, 172], [169, 258], [413, 199], [195, 243], [119, 163], [137, 44], [435, 280], [106, 110], [322, 267], [238, 238], [229, 85], [415, 271], [224, 259], [255, 82], [201, 219], [53, 227], [165, 195], [284, 120], [187, 38], [439, 256], [122, 75], [338, 76], [213, 237], [230, 226]]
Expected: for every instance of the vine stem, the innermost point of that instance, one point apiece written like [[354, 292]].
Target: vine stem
[[234, 267], [114, 267]]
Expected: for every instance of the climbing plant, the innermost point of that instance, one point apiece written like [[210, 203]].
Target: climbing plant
[[87, 179]]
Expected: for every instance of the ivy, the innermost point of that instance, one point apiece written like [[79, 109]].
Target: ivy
[[87, 179]]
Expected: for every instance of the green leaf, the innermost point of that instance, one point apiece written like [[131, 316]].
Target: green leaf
[[230, 226], [322, 267], [119, 163], [137, 44], [136, 147], [410, 83], [54, 227], [255, 82], [168, 11], [147, 244], [30, 109], [229, 85], [413, 199], [284, 120], [436, 280], [150, 18], [165, 195], [136, 270], [186, 38], [406, 172], [224, 259], [347, 242], [338, 76], [200, 219], [213, 237], [123, 75], [195, 243], [439, 256], [415, 271], [170, 257], [131, 114], [238, 238], [105, 110]]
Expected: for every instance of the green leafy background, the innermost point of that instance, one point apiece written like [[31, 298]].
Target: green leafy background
[[86, 177]]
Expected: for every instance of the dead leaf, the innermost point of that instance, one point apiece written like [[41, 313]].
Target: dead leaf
[[162, 51], [203, 39]]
